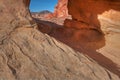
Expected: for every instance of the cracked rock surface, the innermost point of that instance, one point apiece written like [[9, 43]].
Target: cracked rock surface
[[29, 54]]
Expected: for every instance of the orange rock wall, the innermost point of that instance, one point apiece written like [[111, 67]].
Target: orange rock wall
[[86, 11], [60, 10]]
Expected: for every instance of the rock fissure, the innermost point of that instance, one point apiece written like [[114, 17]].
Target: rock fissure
[[25, 54], [109, 75], [12, 70]]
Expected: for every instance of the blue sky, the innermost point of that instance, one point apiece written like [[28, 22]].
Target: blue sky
[[39, 5]]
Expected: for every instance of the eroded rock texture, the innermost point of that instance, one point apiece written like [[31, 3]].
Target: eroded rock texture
[[110, 25], [27, 54], [61, 9], [86, 12], [13, 14], [98, 15]]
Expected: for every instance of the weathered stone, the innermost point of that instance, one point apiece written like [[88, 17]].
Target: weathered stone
[[87, 11], [61, 10], [27, 54]]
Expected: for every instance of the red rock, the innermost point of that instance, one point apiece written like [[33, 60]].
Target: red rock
[[77, 24], [60, 10], [87, 11]]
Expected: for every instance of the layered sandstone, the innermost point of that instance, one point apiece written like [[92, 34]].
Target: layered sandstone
[[41, 14], [58, 16], [88, 15], [60, 10], [87, 11], [95, 32], [13, 14], [100, 15], [110, 25], [27, 54]]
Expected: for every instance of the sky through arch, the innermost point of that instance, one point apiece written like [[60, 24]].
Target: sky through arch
[[40, 5]]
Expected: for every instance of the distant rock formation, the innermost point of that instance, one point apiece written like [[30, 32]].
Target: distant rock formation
[[40, 14], [61, 10]]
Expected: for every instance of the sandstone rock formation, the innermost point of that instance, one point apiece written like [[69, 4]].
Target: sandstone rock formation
[[110, 25], [40, 14], [27, 54], [86, 11], [85, 15], [58, 16], [13, 16], [60, 10], [82, 33]]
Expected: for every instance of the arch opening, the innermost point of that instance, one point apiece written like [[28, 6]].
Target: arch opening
[[42, 5]]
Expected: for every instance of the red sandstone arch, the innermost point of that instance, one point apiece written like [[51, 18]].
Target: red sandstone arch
[[87, 11]]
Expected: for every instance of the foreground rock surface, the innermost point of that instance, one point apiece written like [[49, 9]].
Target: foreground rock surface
[[26, 53], [29, 54]]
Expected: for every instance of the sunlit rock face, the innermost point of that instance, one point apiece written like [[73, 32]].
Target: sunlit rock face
[[60, 9], [113, 18], [13, 14], [87, 11], [110, 25], [14, 11], [100, 15]]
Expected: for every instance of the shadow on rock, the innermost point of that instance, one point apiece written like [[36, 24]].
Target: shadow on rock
[[86, 41]]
